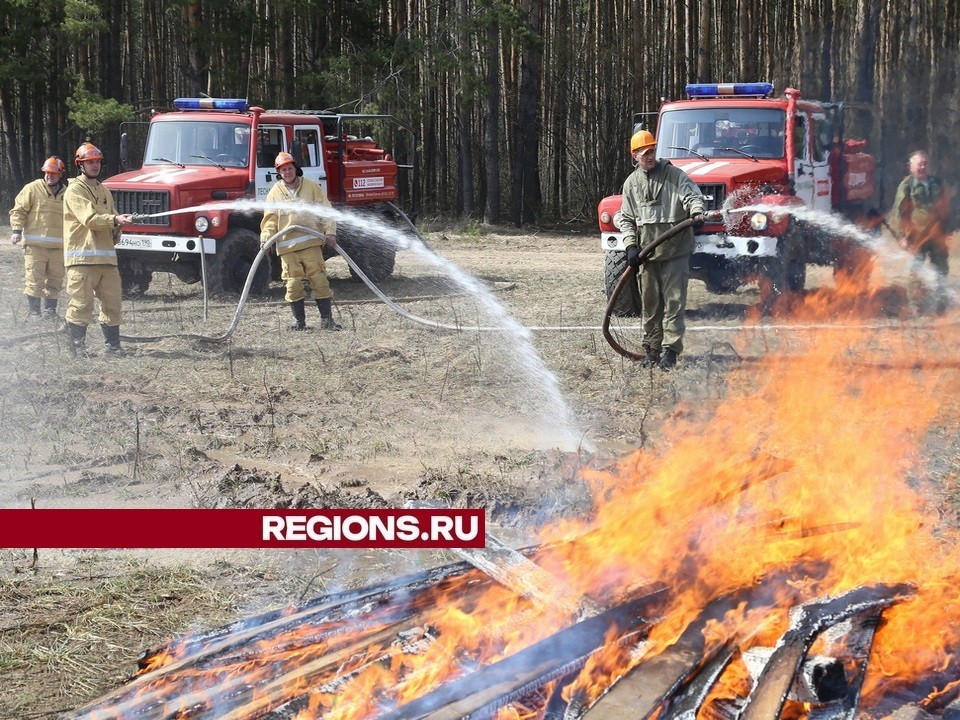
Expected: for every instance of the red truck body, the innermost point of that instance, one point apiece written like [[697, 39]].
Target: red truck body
[[744, 147], [212, 151]]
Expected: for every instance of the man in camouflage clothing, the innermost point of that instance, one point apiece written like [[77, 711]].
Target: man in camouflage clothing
[[922, 209]]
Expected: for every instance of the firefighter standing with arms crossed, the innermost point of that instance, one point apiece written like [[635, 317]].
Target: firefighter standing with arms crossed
[[657, 196], [91, 226], [922, 209], [301, 256], [37, 221]]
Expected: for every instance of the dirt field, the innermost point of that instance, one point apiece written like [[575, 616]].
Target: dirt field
[[383, 413]]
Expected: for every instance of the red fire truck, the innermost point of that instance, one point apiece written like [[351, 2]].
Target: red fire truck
[[744, 147], [209, 152]]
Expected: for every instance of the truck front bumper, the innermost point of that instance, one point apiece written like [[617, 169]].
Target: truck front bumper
[[166, 243], [721, 244]]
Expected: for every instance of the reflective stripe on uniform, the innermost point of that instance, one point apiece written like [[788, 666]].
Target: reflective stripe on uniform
[[44, 239], [299, 240], [90, 253]]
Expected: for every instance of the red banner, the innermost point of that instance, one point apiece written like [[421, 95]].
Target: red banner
[[332, 528]]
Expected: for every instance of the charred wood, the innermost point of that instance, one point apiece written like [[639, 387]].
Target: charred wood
[[820, 679], [776, 679]]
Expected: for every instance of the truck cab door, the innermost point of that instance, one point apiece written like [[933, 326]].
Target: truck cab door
[[821, 138], [803, 179], [308, 152], [270, 141]]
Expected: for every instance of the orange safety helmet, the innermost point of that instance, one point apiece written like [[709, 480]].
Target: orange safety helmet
[[642, 140], [54, 164], [88, 151], [283, 158]]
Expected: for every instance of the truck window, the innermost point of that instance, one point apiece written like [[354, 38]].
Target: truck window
[[822, 137], [722, 132], [308, 141], [800, 137], [269, 143], [186, 141]]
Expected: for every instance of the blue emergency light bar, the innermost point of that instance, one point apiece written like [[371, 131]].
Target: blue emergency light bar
[[705, 90], [236, 104]]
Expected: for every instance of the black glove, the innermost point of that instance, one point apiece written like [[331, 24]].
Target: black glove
[[698, 220], [633, 256]]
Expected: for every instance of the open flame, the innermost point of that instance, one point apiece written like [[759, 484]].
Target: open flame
[[806, 471]]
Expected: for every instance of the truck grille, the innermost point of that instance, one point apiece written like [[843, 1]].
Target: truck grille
[[714, 195], [144, 202]]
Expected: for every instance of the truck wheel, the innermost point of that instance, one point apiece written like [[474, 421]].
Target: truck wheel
[[227, 270], [628, 304], [720, 279], [376, 261], [795, 259], [133, 281]]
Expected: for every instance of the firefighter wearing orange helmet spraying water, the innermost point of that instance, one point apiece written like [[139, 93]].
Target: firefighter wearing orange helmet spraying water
[[91, 227], [301, 256], [37, 221], [657, 196]]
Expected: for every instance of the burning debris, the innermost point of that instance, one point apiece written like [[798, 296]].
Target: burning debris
[[771, 562]]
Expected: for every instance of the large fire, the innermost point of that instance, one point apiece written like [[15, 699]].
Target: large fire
[[807, 478]]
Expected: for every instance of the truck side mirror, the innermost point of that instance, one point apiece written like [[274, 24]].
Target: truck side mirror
[[124, 144]]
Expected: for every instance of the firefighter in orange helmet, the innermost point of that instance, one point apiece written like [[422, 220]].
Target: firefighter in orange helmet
[[37, 221], [301, 256], [91, 227]]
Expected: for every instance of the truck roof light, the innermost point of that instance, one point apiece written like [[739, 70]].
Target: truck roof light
[[705, 90], [236, 104]]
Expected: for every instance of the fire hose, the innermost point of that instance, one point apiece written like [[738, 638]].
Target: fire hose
[[629, 274]]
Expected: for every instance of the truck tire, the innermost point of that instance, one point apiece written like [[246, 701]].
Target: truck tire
[[227, 270], [719, 279], [376, 261], [134, 281], [628, 304]]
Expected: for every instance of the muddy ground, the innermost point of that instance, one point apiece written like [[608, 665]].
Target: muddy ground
[[383, 413]]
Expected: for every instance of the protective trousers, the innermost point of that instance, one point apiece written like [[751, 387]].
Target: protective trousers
[[308, 264], [43, 269], [84, 282], [928, 289], [664, 296]]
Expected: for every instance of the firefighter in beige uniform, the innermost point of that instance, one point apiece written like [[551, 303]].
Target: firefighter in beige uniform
[[301, 256], [37, 221], [90, 228]]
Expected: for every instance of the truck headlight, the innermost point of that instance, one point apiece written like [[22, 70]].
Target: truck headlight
[[604, 217], [758, 221], [201, 223]]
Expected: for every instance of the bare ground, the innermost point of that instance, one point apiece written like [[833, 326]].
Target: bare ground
[[383, 413]]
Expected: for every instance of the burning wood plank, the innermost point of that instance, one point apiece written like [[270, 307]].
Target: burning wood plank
[[487, 690], [776, 679], [509, 567], [820, 679]]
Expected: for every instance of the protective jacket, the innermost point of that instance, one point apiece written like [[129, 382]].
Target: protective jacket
[[308, 192], [89, 230], [923, 210], [655, 201], [38, 214]]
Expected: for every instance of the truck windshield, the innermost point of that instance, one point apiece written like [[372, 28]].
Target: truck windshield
[[721, 132], [183, 142]]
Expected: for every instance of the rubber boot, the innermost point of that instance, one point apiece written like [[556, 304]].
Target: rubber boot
[[325, 307], [651, 357], [299, 315], [33, 306], [668, 361], [49, 308], [111, 340], [78, 339]]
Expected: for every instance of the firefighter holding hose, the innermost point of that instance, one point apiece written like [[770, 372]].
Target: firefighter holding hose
[[922, 210], [657, 196], [301, 256]]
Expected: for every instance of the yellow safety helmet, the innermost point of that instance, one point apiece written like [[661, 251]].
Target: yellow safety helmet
[[88, 151], [642, 140], [54, 164]]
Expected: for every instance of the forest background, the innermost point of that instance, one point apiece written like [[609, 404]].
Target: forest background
[[522, 109]]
